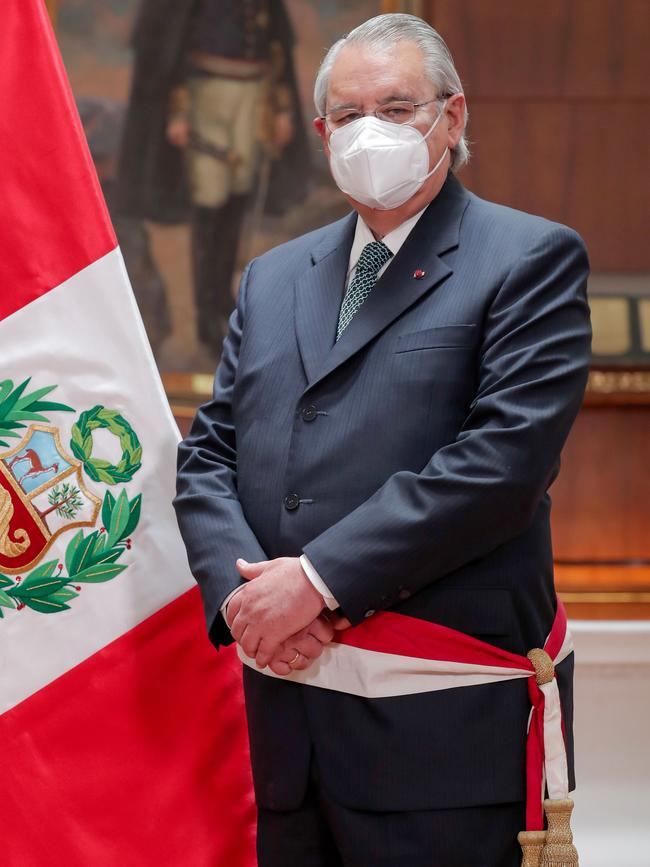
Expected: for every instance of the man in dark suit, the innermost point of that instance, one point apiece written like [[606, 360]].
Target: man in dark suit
[[388, 415]]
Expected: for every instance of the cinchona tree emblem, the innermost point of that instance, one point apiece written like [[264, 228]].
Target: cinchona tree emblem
[[43, 495]]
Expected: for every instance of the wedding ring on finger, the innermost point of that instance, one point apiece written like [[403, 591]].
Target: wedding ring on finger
[[294, 660]]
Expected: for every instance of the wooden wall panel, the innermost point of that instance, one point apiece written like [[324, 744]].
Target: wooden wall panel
[[582, 164], [559, 100], [594, 49], [601, 499]]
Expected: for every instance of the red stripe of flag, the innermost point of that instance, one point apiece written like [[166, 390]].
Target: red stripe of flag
[[53, 220], [137, 756]]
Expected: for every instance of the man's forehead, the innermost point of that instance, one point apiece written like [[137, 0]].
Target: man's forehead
[[361, 72]]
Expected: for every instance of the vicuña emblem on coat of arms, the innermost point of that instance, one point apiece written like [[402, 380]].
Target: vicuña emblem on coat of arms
[[43, 495]]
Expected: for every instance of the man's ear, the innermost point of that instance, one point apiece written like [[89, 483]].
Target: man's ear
[[455, 115], [321, 129]]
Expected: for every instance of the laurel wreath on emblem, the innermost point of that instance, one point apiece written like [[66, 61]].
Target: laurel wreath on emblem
[[82, 445], [90, 558]]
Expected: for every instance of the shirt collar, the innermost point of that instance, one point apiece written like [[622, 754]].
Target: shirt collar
[[393, 240]]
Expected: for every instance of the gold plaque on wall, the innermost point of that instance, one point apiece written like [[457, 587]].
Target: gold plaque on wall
[[610, 318], [644, 321]]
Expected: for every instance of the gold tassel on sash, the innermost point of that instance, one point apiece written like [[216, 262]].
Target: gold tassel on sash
[[559, 850], [532, 843], [554, 847]]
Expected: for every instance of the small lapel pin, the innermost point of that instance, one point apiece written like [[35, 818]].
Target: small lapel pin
[[419, 273]]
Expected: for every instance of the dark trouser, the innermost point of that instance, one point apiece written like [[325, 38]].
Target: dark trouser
[[322, 833], [215, 237]]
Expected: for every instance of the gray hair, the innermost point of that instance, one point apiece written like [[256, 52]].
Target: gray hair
[[382, 32]]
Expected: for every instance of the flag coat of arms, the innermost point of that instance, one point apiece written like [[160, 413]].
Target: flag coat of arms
[[122, 730]]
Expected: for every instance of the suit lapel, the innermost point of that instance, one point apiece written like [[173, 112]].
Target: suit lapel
[[319, 293], [435, 233]]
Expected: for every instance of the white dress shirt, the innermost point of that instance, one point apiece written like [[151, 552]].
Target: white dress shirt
[[393, 240], [362, 236]]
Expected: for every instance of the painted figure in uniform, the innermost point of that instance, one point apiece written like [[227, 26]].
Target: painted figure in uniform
[[213, 122], [103, 123]]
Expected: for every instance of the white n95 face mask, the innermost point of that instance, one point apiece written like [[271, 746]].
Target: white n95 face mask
[[381, 164]]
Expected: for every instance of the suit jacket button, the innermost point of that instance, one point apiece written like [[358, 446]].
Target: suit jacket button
[[404, 594], [369, 612], [291, 502], [309, 413]]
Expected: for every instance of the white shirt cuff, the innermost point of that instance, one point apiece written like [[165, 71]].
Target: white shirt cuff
[[225, 602], [318, 583]]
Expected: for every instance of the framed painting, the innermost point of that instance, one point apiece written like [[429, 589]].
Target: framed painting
[[199, 120]]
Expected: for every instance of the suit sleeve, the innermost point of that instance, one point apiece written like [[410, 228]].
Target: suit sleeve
[[483, 488], [208, 511]]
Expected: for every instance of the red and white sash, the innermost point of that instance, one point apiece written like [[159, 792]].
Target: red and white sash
[[394, 654]]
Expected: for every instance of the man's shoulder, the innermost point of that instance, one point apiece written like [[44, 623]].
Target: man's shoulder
[[514, 229], [295, 251]]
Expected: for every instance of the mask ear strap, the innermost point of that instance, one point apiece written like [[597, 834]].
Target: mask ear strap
[[437, 165], [435, 123], [444, 153]]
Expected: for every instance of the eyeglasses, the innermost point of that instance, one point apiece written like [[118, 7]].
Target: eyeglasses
[[399, 112]]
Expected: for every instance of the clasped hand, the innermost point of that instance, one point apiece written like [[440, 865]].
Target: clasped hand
[[280, 614]]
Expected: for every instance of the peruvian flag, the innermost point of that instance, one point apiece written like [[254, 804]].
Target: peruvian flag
[[122, 731]]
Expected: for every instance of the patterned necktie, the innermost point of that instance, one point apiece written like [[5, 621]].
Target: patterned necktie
[[373, 257]]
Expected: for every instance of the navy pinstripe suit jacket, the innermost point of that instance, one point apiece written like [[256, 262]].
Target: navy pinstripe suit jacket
[[421, 483]]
